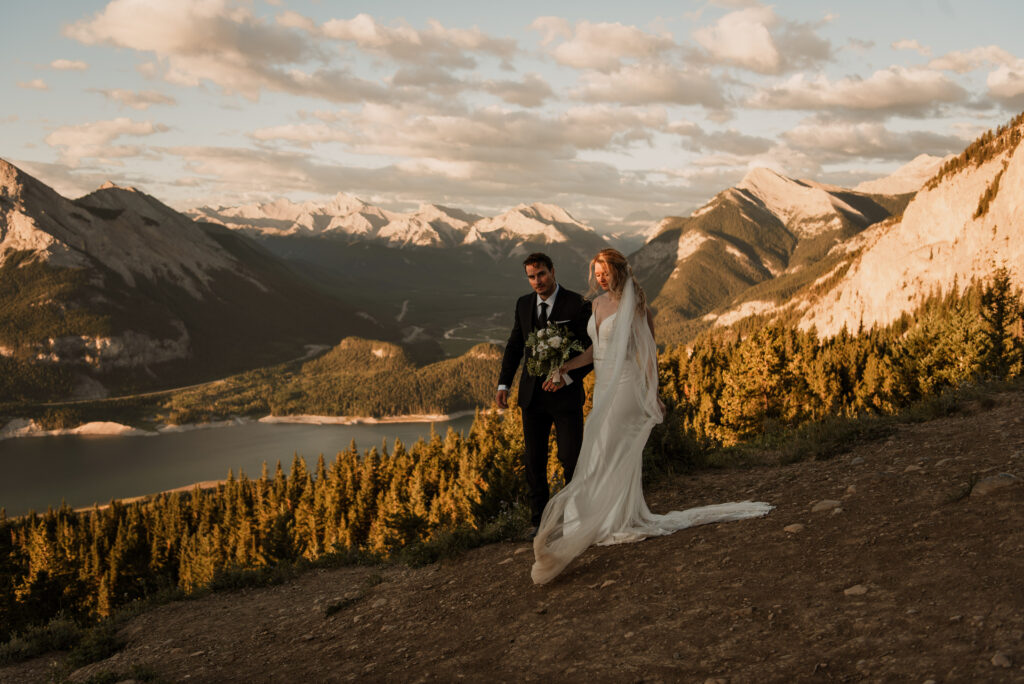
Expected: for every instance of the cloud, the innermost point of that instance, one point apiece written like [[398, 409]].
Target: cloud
[[223, 43], [756, 39], [68, 65], [896, 90], [531, 91], [486, 156], [491, 135], [652, 83], [600, 46], [1005, 83], [860, 46], [742, 38], [913, 46], [436, 44], [94, 139], [34, 84], [137, 100], [963, 61], [304, 134], [840, 140], [731, 140]]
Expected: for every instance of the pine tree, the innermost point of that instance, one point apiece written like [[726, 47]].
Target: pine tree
[[1002, 311]]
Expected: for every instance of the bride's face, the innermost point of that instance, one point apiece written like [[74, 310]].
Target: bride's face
[[603, 276]]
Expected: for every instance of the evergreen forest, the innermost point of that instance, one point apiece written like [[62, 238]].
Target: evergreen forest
[[728, 388]]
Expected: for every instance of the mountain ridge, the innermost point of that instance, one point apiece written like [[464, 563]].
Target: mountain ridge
[[119, 289]]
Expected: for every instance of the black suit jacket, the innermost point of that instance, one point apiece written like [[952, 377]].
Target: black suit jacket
[[570, 309]]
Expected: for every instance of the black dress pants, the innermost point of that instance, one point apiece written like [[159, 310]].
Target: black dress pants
[[543, 412]]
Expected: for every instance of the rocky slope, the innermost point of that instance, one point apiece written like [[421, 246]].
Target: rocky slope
[[880, 564], [767, 226], [117, 282], [957, 228], [962, 222]]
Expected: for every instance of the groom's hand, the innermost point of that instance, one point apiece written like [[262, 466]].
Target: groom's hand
[[550, 386], [501, 399]]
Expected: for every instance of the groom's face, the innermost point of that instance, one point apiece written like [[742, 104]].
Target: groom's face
[[541, 279]]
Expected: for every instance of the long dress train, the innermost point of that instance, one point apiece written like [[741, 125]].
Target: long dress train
[[604, 502]]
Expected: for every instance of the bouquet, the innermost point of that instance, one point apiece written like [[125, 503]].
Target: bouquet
[[550, 347]]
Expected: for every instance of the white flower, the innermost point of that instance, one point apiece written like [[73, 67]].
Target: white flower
[[555, 342], [542, 333], [541, 348]]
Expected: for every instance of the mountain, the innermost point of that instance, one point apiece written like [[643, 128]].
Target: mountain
[[518, 231], [908, 178], [346, 217], [119, 289], [767, 226], [441, 274], [960, 225]]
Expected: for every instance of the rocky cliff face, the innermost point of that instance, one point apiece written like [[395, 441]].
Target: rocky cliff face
[[956, 229], [766, 227]]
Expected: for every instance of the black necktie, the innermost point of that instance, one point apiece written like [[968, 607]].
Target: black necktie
[[542, 320]]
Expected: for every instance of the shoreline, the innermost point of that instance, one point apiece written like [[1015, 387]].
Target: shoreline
[[17, 428]]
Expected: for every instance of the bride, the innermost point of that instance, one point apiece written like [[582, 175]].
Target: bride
[[604, 502]]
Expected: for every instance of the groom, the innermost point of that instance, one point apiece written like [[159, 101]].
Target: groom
[[563, 408]]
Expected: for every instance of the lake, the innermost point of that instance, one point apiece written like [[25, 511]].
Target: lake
[[36, 472]]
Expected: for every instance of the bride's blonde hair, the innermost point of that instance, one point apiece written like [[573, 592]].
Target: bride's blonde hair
[[620, 270]]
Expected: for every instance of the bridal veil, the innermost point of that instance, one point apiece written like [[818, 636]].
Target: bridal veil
[[604, 503]]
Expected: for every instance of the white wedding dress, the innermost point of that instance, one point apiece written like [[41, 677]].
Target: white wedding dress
[[604, 502]]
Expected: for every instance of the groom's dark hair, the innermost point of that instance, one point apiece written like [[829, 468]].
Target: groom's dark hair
[[539, 258]]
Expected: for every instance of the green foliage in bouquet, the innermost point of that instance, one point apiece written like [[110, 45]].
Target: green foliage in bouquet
[[550, 347]]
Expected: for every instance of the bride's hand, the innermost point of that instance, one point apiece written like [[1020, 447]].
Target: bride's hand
[[550, 386]]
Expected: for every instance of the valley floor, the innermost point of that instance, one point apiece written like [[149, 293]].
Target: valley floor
[[905, 578]]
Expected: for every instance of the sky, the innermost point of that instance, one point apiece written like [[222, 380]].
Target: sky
[[621, 112]]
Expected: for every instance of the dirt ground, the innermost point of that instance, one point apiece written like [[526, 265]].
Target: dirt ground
[[905, 577]]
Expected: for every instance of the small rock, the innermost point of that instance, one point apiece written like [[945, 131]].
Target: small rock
[[540, 610], [859, 460], [990, 484], [856, 590], [380, 603], [956, 618], [795, 528], [522, 550], [943, 462], [716, 680], [913, 469], [507, 560], [837, 511], [825, 505], [851, 490], [607, 583], [197, 653], [1001, 660]]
